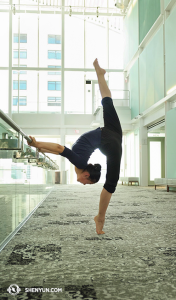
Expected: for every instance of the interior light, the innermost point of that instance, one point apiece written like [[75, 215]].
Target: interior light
[[171, 90]]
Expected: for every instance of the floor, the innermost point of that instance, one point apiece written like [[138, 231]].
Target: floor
[[58, 247]]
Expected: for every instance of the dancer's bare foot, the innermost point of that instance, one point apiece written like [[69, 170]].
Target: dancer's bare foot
[[99, 225], [98, 70]]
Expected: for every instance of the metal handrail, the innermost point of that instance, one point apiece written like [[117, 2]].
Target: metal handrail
[[10, 122]]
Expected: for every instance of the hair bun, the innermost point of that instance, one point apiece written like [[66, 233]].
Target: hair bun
[[97, 167]]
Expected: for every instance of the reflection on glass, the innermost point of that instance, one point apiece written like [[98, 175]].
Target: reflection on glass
[[155, 160]]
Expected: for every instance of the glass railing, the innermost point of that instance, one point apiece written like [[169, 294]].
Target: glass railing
[[26, 178]]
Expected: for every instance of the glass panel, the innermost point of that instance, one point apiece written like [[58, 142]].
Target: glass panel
[[49, 92], [49, 40], [74, 43], [155, 160], [96, 41], [4, 90], [170, 45], [151, 66], [116, 86], [27, 93], [28, 39], [116, 43], [4, 38], [74, 92], [149, 11]]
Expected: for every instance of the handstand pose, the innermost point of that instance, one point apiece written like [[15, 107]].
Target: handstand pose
[[108, 139]]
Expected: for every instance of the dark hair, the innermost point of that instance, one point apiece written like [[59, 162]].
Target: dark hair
[[94, 171]]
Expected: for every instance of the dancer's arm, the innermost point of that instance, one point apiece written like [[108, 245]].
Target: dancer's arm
[[105, 198], [47, 151], [56, 148]]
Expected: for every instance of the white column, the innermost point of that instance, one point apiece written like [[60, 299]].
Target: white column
[[143, 154]]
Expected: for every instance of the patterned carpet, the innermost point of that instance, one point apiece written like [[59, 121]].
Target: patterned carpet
[[58, 247]]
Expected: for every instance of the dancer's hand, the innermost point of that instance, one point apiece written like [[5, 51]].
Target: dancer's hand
[[33, 143]]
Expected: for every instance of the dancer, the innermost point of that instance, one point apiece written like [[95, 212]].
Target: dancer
[[107, 139]]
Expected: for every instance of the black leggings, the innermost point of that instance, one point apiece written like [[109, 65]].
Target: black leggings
[[111, 119]]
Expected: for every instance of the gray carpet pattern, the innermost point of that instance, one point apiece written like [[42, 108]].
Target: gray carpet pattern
[[58, 247]]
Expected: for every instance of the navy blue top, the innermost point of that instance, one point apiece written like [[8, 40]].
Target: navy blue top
[[108, 140], [83, 148]]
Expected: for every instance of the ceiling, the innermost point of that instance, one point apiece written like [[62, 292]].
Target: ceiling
[[104, 6]]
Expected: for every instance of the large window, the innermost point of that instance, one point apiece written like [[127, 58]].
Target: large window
[[54, 85], [4, 90], [52, 75], [4, 39]]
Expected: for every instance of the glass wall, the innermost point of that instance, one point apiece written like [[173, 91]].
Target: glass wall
[[22, 188], [131, 36], [149, 11], [74, 42], [25, 179], [170, 46], [40, 47], [151, 72], [4, 90], [4, 38]]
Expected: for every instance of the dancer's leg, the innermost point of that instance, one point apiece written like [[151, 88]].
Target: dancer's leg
[[111, 119], [104, 90]]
